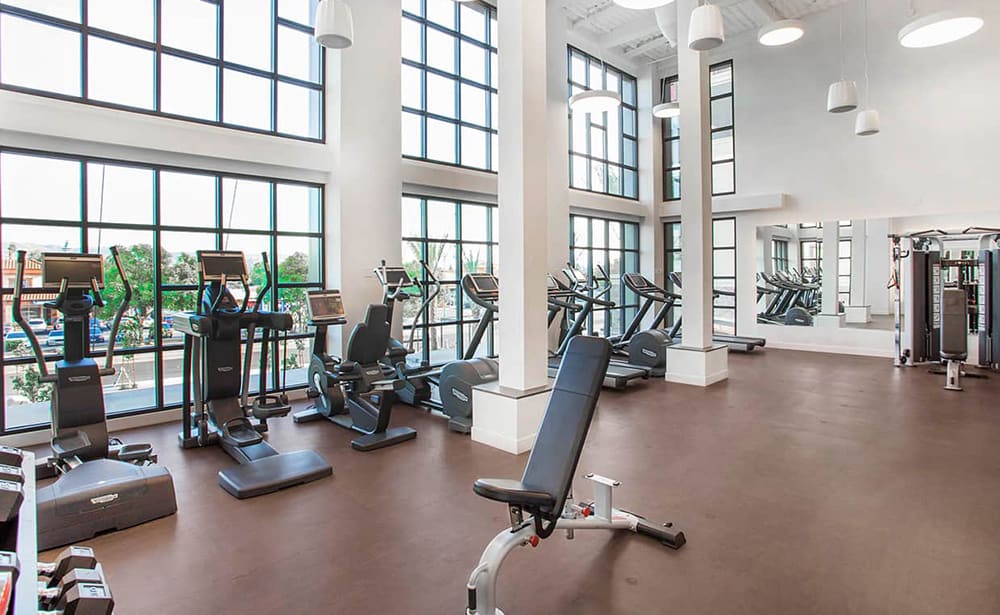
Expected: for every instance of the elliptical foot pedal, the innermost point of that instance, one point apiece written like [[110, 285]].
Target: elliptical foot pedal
[[270, 474], [239, 432], [389, 437]]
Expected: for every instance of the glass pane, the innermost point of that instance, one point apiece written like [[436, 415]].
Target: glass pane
[[440, 140], [474, 260], [108, 62], [189, 88], [441, 48], [136, 252], [473, 21], [300, 259], [247, 100], [442, 343], [672, 186], [628, 91], [474, 222], [251, 246], [300, 11], [63, 9], [179, 260], [723, 180], [672, 154], [299, 208], [411, 43], [413, 87], [412, 134], [40, 57], [20, 179], [722, 145], [473, 105], [299, 110], [132, 18], [442, 258], [246, 204], [441, 220], [247, 34], [38, 239], [724, 233], [628, 122], [413, 6], [190, 25], [597, 142], [630, 183], [578, 172], [722, 80], [441, 12], [187, 199], [473, 62], [27, 401], [294, 301], [473, 148], [174, 301], [173, 365], [298, 54], [119, 194], [597, 230], [722, 113], [411, 217], [440, 95]]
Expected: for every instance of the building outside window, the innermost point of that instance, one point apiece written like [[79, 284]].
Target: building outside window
[[603, 148], [723, 270], [779, 254], [450, 82], [723, 133], [247, 64], [614, 246], [453, 238], [810, 255], [159, 217]]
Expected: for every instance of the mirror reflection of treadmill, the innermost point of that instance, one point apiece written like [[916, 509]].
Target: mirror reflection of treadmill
[[326, 305]]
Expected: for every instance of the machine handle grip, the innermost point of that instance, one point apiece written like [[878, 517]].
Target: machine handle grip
[[109, 360], [36, 348]]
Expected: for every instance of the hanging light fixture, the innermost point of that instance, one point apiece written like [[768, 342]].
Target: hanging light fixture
[[666, 108], [596, 101], [842, 95], [706, 30], [938, 28], [334, 24], [638, 4], [868, 122], [781, 32]]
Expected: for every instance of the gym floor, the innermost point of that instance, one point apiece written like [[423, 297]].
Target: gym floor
[[807, 483]]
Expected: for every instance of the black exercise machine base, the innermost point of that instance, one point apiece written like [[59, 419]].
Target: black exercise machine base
[[375, 441]]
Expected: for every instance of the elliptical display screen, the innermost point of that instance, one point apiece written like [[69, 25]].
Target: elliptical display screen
[[79, 269], [395, 277], [214, 265], [550, 282], [484, 283], [326, 305]]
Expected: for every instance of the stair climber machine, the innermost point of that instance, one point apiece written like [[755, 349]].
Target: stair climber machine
[[102, 483], [354, 393], [575, 299], [738, 343], [446, 390], [220, 411], [648, 348]]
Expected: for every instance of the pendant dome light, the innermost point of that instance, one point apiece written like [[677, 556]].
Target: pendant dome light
[[938, 28], [781, 32], [868, 122], [638, 4], [596, 101], [842, 95], [334, 24], [666, 108], [706, 30]]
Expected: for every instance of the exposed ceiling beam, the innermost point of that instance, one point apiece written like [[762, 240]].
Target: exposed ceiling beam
[[593, 12], [652, 43], [764, 11], [642, 26]]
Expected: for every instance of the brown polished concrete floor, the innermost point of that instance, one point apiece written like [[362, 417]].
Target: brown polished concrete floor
[[806, 484]]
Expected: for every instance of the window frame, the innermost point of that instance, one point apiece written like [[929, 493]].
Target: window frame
[[669, 249], [160, 345], [159, 50], [779, 262], [627, 302]]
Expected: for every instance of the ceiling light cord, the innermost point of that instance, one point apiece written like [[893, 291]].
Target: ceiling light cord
[[868, 87], [842, 52]]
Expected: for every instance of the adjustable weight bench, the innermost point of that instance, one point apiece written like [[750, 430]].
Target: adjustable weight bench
[[542, 501]]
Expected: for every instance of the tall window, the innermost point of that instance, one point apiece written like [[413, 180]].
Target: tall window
[[844, 271], [159, 217], [248, 64], [723, 144], [810, 254], [449, 82], [779, 255], [604, 148], [453, 238], [723, 269], [614, 245]]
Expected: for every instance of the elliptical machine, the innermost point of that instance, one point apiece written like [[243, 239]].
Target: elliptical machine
[[103, 484], [455, 380], [353, 393], [220, 412]]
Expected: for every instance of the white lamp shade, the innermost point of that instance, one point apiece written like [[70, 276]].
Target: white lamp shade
[[939, 29], [640, 4], [868, 123], [842, 97], [334, 24], [667, 110], [706, 30], [595, 101], [781, 32]]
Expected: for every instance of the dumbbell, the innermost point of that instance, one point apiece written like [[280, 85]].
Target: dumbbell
[[10, 456], [11, 493], [51, 596], [68, 560], [85, 599]]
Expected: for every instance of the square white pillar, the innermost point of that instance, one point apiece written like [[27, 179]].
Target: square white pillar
[[858, 314], [507, 419], [697, 366]]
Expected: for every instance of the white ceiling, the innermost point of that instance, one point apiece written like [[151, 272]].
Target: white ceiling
[[635, 34]]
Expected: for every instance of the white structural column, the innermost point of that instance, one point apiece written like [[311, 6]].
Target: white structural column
[[508, 413], [830, 315], [363, 197], [696, 360], [558, 138], [650, 180]]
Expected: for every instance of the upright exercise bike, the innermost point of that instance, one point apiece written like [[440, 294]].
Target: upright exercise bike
[[220, 412], [102, 483]]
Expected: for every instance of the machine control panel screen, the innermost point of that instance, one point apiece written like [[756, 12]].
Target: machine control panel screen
[[600, 275], [395, 277], [214, 265], [550, 282], [484, 283], [576, 275], [636, 280], [326, 305], [79, 269]]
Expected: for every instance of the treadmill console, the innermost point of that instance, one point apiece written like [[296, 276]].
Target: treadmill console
[[485, 285], [216, 265], [326, 306], [637, 280], [394, 277], [79, 269], [575, 275]]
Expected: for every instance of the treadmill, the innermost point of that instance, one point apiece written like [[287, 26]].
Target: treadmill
[[565, 300], [738, 343]]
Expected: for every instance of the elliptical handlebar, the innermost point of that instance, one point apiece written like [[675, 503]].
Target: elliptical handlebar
[[432, 290], [36, 348], [109, 360], [268, 282]]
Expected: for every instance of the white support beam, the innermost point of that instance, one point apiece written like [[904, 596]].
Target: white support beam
[[766, 13], [642, 26], [652, 43]]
